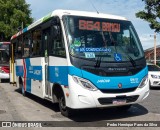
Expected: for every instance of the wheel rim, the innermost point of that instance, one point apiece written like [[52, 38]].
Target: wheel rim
[[62, 103]]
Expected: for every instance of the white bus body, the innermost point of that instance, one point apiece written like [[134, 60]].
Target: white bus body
[[61, 61]]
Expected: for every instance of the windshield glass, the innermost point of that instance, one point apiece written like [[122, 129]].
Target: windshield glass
[[91, 38], [4, 54], [153, 68]]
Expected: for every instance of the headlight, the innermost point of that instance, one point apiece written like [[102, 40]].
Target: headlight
[[155, 76], [84, 83], [143, 82]]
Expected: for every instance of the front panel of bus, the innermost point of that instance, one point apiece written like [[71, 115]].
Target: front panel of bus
[[107, 62]]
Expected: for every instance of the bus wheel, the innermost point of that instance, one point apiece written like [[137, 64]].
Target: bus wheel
[[22, 88], [65, 111]]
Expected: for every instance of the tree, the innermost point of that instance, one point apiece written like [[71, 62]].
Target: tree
[[151, 14], [12, 14]]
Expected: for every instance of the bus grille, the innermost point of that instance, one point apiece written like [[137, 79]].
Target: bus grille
[[129, 99], [103, 72], [124, 90]]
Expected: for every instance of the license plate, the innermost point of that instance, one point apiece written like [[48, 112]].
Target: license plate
[[119, 101]]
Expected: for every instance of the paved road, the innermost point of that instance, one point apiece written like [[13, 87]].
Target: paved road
[[15, 107]]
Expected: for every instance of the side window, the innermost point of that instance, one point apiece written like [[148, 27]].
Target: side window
[[36, 43], [14, 49], [26, 46], [18, 49], [57, 44]]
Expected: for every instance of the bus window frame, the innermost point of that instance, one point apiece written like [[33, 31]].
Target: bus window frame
[[56, 22], [41, 48], [43, 26]]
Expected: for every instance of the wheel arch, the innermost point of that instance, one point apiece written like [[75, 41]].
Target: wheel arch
[[57, 91]]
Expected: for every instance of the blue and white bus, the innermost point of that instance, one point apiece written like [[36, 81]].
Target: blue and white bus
[[81, 60]]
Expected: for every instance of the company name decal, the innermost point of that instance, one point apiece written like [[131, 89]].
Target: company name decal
[[35, 72], [103, 81], [134, 80]]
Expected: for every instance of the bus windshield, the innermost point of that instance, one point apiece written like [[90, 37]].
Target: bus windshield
[[113, 40], [4, 54]]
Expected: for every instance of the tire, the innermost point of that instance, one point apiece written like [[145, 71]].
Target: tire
[[124, 108], [65, 111], [150, 86], [22, 88]]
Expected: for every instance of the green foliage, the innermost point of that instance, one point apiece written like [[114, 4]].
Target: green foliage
[[12, 14], [151, 13]]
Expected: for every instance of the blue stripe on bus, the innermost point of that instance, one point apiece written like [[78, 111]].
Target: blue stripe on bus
[[19, 71], [112, 82], [32, 72], [102, 82], [58, 74], [75, 71]]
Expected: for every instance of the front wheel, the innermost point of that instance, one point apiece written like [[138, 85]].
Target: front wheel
[[65, 111]]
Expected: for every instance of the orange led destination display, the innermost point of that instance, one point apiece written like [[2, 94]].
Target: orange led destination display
[[97, 26]]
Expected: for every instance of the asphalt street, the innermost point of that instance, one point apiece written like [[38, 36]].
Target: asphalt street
[[15, 107]]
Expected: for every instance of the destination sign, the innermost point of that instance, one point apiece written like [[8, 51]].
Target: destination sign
[[99, 26]]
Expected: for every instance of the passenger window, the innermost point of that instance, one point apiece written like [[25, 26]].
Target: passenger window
[[26, 47], [57, 44], [36, 43], [18, 49]]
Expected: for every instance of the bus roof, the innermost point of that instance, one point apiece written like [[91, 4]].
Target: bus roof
[[60, 13]]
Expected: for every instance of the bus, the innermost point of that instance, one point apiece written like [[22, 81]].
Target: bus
[[4, 61], [81, 60]]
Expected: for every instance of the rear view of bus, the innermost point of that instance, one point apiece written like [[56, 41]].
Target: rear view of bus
[[4, 61]]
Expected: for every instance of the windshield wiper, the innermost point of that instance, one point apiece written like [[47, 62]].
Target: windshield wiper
[[99, 59], [129, 57], [113, 41]]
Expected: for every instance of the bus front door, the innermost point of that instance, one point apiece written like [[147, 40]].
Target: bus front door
[[46, 39]]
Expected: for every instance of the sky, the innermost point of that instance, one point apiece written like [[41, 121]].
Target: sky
[[125, 8]]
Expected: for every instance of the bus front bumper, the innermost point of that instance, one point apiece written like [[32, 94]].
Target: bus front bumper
[[80, 98]]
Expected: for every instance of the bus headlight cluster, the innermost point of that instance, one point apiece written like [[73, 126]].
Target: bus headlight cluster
[[155, 76], [143, 82], [84, 83]]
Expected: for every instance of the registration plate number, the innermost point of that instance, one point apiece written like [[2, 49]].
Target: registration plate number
[[119, 101]]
